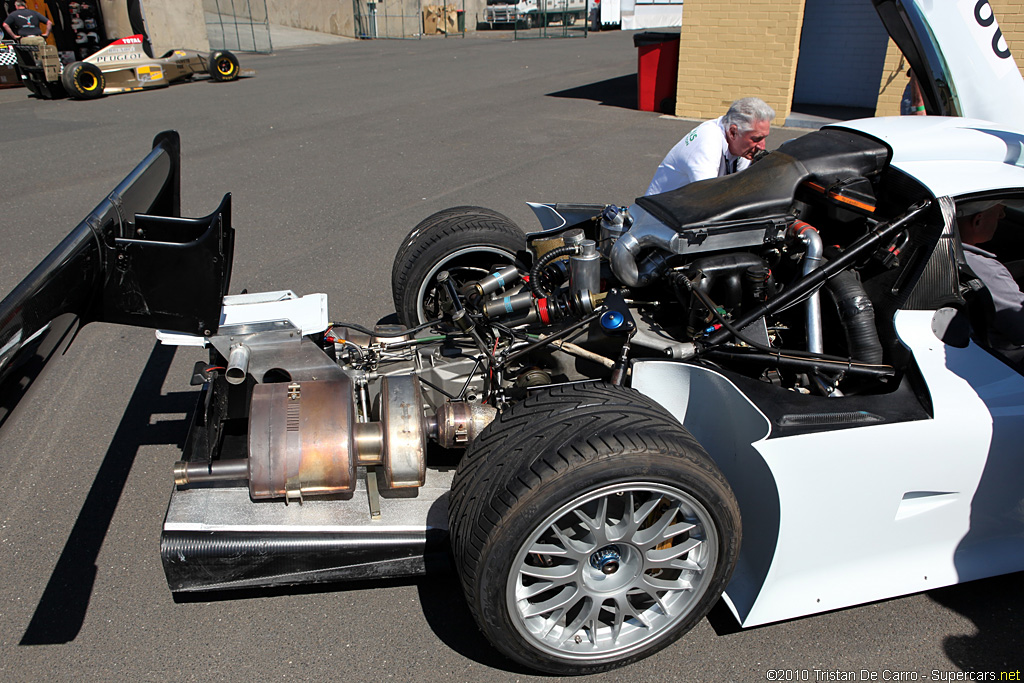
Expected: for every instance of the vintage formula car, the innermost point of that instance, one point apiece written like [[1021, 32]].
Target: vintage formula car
[[122, 66], [588, 419]]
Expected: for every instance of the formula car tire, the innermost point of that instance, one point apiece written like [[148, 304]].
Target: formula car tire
[[590, 529], [465, 240], [223, 66], [83, 81]]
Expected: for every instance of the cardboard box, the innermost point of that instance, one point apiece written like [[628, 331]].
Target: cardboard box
[[439, 19]]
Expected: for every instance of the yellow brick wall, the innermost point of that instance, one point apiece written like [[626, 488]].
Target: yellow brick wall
[[739, 49], [894, 82], [1009, 14]]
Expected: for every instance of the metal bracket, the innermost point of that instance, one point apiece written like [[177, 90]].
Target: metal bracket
[[373, 493]]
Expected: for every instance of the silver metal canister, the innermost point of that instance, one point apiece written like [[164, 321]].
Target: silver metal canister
[[613, 225], [585, 269]]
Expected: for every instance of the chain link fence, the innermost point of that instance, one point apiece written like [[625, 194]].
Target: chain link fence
[[241, 25], [540, 19], [408, 19]]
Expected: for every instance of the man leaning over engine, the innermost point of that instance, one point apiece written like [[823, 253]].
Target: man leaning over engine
[[717, 147]]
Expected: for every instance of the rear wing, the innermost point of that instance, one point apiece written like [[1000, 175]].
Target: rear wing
[[133, 261]]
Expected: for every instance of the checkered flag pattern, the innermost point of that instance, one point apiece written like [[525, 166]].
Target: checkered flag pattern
[[7, 56]]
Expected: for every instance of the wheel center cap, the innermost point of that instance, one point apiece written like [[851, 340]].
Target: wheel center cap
[[607, 559]]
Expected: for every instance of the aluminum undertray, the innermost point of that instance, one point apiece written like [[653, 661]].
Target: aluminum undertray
[[218, 538]]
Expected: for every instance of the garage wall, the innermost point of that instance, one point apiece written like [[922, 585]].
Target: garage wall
[[181, 24], [332, 16], [738, 49], [326, 16], [842, 52], [172, 24]]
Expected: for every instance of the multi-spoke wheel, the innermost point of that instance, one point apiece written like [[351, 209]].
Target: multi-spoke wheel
[[466, 241], [590, 529], [613, 569]]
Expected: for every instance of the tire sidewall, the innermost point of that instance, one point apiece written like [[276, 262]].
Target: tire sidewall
[[73, 84], [215, 72], [435, 242]]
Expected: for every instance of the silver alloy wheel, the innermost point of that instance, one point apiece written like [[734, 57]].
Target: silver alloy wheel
[[464, 265], [611, 571]]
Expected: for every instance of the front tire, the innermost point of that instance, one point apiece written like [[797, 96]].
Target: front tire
[[83, 81], [590, 529], [465, 240], [223, 66]]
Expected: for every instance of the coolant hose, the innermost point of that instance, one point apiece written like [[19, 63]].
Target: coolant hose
[[808, 234]]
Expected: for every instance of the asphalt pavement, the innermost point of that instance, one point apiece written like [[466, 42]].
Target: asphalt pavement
[[332, 154]]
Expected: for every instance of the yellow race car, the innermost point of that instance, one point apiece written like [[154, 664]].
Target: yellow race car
[[122, 66]]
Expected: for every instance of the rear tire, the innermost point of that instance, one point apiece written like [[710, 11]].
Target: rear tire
[[590, 529], [83, 81], [223, 66], [464, 240]]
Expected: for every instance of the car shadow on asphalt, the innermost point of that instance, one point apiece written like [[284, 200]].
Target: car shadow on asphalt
[[613, 92], [996, 606], [449, 617], [61, 611], [441, 599]]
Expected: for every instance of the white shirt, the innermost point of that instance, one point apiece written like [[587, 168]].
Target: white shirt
[[702, 154]]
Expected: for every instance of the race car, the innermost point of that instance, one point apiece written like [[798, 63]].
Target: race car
[[122, 66], [775, 388]]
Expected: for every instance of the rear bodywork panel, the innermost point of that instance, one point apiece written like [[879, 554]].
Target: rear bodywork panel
[[113, 267]]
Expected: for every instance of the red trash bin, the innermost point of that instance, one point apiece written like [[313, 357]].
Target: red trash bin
[[657, 68]]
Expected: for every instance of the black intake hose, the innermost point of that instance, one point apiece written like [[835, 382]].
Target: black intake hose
[[857, 316]]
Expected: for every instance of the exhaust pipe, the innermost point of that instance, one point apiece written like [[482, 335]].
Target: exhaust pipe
[[238, 364]]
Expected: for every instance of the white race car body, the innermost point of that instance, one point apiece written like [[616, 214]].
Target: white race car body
[[882, 511]]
